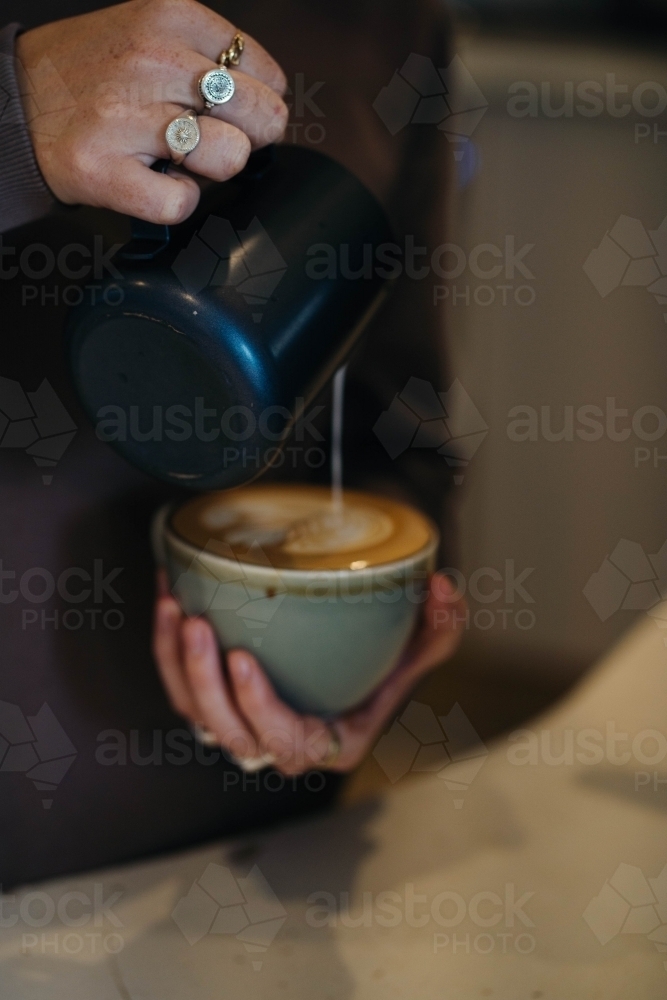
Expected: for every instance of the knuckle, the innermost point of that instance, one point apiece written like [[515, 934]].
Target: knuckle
[[279, 112], [278, 80], [130, 62], [175, 208], [160, 9], [148, 55], [280, 117]]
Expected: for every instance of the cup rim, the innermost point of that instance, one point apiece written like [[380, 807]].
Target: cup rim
[[295, 576]]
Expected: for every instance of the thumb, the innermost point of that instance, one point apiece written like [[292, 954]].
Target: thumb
[[134, 189]]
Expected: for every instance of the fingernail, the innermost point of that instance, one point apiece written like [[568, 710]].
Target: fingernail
[[196, 638], [241, 667], [444, 588], [205, 736], [250, 764]]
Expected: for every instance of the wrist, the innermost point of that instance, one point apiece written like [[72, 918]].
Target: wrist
[[46, 103], [24, 194]]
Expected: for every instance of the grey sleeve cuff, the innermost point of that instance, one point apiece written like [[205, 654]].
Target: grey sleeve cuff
[[24, 195]]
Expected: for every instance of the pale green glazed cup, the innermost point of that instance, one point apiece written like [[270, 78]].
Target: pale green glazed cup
[[325, 638]]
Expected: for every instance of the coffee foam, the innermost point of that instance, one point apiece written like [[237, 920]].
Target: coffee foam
[[299, 527]]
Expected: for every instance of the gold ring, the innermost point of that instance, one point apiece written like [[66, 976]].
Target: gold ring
[[333, 750], [232, 55]]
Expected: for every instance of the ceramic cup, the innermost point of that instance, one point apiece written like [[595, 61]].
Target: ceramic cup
[[326, 638]]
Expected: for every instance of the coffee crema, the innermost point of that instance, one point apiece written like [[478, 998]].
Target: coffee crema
[[291, 526]]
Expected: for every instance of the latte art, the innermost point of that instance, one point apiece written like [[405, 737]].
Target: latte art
[[298, 527], [338, 530]]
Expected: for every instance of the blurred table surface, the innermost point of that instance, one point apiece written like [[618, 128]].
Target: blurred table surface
[[545, 883]]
